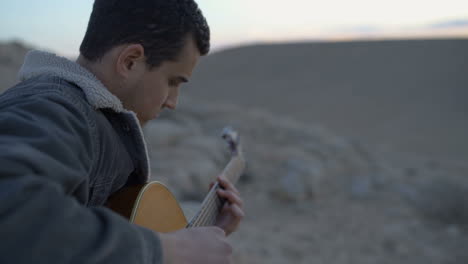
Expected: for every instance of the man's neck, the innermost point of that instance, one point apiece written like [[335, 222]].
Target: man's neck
[[96, 69], [90, 66]]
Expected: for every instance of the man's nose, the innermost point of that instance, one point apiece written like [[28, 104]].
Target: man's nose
[[171, 101]]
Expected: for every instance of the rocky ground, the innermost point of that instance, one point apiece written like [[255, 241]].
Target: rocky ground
[[310, 196]]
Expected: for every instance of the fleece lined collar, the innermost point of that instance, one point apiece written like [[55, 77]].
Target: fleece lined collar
[[39, 62]]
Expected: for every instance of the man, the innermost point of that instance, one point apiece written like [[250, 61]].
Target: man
[[70, 136]]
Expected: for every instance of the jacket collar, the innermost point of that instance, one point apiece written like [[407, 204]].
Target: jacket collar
[[40, 62]]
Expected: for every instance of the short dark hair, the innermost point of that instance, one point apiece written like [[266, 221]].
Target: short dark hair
[[160, 26]]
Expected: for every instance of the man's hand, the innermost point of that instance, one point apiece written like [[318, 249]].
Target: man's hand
[[231, 214], [206, 245], [200, 245]]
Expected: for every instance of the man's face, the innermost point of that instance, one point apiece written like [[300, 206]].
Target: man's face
[[158, 88]]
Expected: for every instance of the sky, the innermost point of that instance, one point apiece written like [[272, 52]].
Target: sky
[[59, 25]]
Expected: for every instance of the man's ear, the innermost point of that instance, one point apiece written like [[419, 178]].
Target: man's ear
[[130, 58]]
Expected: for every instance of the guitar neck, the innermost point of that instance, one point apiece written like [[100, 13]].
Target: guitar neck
[[212, 204]]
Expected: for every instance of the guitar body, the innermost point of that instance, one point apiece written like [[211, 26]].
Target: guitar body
[[151, 205]]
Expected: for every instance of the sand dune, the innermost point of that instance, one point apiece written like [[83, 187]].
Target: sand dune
[[411, 95]]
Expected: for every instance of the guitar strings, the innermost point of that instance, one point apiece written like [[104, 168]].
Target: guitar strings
[[207, 215], [210, 209], [214, 204], [218, 209], [214, 212], [198, 219], [215, 207]]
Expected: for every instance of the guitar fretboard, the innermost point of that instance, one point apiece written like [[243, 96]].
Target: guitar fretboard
[[212, 204], [209, 210]]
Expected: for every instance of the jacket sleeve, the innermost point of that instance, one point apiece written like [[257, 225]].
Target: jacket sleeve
[[45, 156]]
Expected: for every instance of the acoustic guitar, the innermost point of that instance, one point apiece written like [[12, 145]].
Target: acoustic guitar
[[153, 206]]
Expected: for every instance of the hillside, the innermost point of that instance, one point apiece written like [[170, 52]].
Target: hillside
[[408, 95]]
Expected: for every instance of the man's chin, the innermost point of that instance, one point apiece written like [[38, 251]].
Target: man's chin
[[144, 121]]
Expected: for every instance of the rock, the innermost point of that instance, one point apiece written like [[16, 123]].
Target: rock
[[444, 201], [299, 180]]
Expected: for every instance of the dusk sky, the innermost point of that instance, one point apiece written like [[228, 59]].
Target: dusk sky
[[59, 25]]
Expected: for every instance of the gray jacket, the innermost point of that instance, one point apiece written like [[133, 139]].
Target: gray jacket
[[67, 143]]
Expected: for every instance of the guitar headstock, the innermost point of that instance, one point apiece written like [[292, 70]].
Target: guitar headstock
[[233, 139], [237, 164]]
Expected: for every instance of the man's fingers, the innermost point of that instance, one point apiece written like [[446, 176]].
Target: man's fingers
[[235, 215], [227, 185], [232, 197], [236, 211]]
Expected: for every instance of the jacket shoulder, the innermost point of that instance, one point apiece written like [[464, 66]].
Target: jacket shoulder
[[46, 85]]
